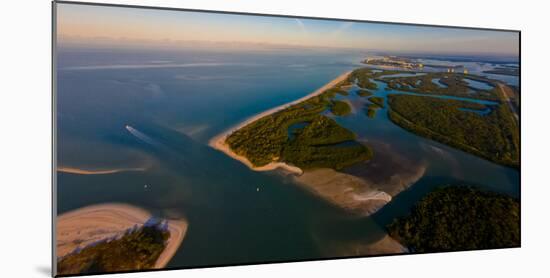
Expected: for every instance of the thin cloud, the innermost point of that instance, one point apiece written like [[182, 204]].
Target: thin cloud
[[301, 25]]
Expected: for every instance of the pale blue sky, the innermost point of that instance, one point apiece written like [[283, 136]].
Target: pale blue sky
[[85, 23]]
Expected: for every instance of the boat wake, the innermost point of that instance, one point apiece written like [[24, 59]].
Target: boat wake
[[141, 136]]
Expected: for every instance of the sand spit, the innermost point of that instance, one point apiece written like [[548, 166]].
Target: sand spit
[[80, 171], [81, 227], [218, 142], [178, 229], [343, 190]]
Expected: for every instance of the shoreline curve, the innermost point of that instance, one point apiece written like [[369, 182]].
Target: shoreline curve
[[218, 142]]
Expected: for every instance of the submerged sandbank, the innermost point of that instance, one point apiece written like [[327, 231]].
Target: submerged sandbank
[[343, 190], [364, 188], [218, 142], [82, 227]]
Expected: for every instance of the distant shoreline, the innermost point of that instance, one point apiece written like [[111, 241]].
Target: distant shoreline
[[81, 227], [218, 141]]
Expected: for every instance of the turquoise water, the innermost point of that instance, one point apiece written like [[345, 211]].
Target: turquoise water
[[178, 101]]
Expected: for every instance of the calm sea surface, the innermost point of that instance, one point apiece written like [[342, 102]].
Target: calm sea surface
[[178, 101]]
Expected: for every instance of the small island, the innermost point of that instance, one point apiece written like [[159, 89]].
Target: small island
[[115, 237], [378, 101], [364, 93], [371, 110], [340, 108]]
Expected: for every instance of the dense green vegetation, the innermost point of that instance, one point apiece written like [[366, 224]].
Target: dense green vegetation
[[494, 136], [263, 141], [459, 218], [266, 140], [135, 250], [340, 108], [454, 85], [324, 144], [378, 101], [323, 131], [364, 93]]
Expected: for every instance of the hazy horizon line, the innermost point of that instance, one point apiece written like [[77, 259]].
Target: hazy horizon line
[[168, 44]]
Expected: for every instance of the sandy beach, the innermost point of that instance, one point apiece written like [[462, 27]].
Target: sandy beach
[[81, 227], [178, 229], [218, 142]]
